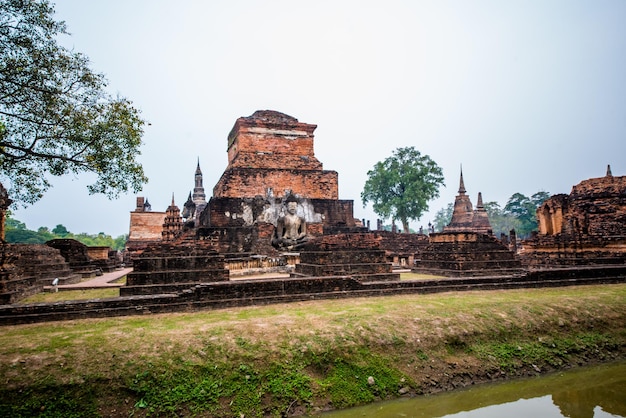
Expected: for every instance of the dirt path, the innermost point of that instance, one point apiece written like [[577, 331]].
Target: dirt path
[[97, 282]]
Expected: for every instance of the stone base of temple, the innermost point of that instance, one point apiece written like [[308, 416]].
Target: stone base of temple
[[401, 250], [266, 291], [29, 267], [174, 266], [356, 255], [561, 250], [254, 239], [462, 254]]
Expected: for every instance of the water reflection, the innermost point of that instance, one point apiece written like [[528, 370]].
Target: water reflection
[[590, 392]]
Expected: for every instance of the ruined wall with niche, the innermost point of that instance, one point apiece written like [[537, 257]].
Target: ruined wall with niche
[[550, 214], [594, 207], [586, 227]]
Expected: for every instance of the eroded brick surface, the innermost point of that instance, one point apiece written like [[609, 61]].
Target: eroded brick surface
[[271, 154], [586, 227], [467, 254]]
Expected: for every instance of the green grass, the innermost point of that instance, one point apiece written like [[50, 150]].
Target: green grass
[[63, 295], [419, 276], [553, 351]]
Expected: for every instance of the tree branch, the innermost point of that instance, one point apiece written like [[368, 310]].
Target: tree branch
[[31, 153]]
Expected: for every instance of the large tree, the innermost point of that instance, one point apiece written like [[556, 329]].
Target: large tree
[[525, 210], [401, 186], [55, 115]]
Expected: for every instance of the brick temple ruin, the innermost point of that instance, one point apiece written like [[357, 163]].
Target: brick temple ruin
[[27, 268], [270, 160], [271, 166], [585, 228], [276, 209]]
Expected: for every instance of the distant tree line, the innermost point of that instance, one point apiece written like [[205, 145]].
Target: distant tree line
[[17, 233], [519, 213]]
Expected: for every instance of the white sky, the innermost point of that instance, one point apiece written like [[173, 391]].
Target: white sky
[[527, 95]]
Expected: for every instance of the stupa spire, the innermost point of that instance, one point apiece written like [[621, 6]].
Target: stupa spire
[[461, 183], [608, 171], [199, 198], [479, 203]]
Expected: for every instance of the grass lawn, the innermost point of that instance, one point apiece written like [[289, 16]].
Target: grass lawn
[[50, 297]]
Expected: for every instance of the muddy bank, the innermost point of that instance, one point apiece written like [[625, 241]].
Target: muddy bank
[[306, 357]]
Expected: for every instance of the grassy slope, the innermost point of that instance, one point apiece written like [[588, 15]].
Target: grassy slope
[[306, 356]]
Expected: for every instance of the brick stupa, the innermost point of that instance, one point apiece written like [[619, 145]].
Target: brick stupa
[[465, 218], [467, 247]]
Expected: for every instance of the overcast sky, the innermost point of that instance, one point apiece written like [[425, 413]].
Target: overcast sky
[[526, 95]]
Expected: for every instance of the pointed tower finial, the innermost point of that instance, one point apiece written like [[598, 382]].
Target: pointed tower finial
[[461, 183], [479, 204], [608, 171], [173, 199], [198, 196]]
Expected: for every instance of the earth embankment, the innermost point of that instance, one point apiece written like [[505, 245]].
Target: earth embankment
[[304, 357]]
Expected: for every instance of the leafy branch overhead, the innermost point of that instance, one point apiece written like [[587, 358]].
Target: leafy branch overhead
[[55, 116], [401, 186]]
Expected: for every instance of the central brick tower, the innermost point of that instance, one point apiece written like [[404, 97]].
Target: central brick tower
[[271, 154]]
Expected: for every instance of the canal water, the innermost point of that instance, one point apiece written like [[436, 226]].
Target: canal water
[[598, 391]]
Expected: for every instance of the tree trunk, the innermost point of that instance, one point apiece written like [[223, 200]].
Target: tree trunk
[[405, 226], [5, 202]]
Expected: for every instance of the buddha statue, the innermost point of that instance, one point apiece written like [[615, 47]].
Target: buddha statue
[[290, 232]]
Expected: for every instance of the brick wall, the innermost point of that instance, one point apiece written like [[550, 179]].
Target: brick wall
[[251, 182], [259, 138], [145, 229], [146, 226]]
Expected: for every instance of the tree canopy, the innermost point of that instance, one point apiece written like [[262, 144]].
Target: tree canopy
[[401, 186], [525, 210], [55, 115]]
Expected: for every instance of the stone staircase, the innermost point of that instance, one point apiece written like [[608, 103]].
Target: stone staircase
[[170, 267]]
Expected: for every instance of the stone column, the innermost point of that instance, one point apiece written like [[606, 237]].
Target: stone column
[[513, 243]]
